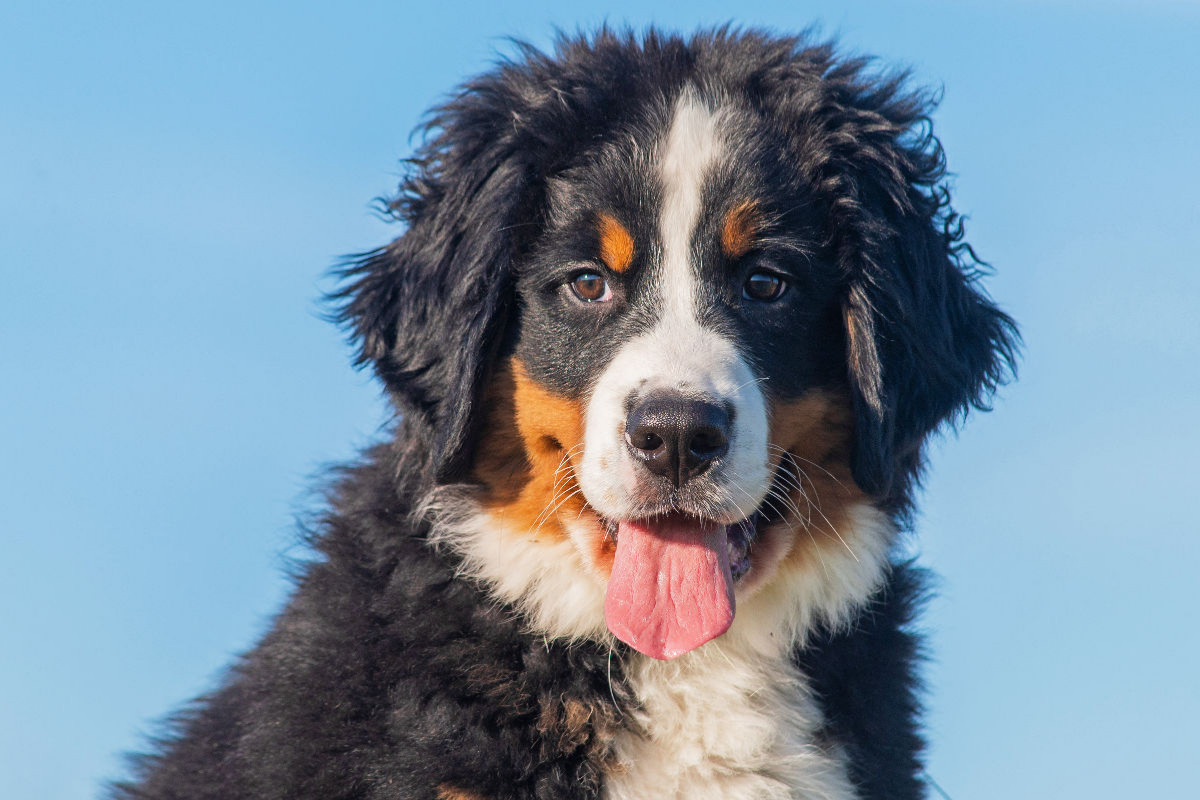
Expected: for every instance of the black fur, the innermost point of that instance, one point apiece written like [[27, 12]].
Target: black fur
[[386, 676]]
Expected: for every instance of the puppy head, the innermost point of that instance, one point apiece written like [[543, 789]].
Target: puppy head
[[685, 311]]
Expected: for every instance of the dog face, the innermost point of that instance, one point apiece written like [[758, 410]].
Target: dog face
[[677, 303], [684, 312]]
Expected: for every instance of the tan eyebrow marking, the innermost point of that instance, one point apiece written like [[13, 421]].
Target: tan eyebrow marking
[[742, 224], [616, 243]]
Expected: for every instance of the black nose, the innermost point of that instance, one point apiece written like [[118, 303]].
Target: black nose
[[675, 436]]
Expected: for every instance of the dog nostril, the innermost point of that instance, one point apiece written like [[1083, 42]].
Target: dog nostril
[[708, 443], [645, 440]]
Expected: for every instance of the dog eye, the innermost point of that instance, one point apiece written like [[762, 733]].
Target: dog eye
[[591, 288], [764, 287]]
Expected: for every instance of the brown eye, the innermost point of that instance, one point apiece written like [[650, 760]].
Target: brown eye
[[764, 287], [591, 288]]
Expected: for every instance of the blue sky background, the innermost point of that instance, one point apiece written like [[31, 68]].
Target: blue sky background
[[175, 180]]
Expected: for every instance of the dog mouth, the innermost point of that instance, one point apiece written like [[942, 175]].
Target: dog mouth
[[671, 588], [740, 537], [679, 559]]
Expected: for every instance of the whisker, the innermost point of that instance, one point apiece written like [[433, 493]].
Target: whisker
[[557, 507], [797, 482], [828, 523], [554, 504], [790, 506], [736, 485], [767, 501], [832, 477], [833, 528], [783, 451], [797, 479], [817, 550], [790, 481], [752, 380], [774, 494], [554, 493]]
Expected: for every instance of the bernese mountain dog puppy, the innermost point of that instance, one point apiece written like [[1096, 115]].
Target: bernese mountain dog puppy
[[668, 325]]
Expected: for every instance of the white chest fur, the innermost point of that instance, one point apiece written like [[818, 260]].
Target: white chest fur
[[716, 724]]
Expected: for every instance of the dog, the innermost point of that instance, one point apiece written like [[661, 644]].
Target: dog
[[667, 328]]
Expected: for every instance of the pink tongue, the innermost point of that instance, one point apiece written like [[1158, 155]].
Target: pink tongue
[[670, 589]]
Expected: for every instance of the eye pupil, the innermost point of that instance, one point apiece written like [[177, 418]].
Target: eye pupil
[[590, 287], [764, 287]]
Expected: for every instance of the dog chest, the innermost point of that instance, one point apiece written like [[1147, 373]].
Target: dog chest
[[716, 724]]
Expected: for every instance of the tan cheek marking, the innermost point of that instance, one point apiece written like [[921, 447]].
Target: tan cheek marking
[[817, 429], [530, 443], [616, 243], [742, 224]]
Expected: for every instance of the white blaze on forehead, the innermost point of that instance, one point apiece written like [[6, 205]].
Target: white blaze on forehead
[[692, 148], [678, 353]]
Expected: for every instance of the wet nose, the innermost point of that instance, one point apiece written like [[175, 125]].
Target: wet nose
[[677, 437]]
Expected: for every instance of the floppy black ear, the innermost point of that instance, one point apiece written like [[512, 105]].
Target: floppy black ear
[[924, 342], [429, 310]]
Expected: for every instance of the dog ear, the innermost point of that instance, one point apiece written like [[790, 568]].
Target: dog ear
[[924, 342], [429, 311]]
